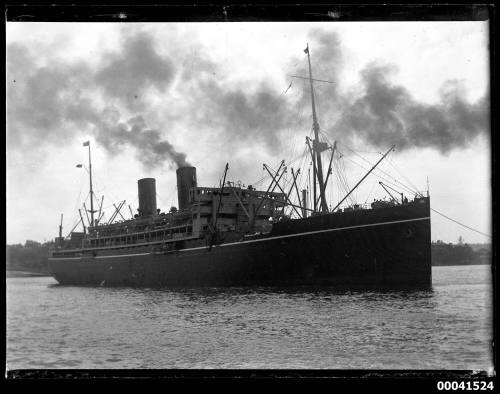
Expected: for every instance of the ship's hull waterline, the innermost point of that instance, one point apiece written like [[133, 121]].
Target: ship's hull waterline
[[388, 247]]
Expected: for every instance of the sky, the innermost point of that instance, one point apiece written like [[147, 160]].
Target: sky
[[151, 97]]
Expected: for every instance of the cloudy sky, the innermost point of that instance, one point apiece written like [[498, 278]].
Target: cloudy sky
[[152, 97]]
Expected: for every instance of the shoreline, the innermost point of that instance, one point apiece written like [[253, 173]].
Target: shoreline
[[24, 274]]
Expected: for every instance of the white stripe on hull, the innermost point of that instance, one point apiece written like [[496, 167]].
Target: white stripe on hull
[[254, 240]]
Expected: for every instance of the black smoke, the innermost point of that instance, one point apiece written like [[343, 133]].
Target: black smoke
[[381, 113], [385, 114], [56, 102], [42, 101], [245, 114], [134, 70], [114, 98], [114, 134]]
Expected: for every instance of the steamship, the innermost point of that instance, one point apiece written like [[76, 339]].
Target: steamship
[[234, 235]]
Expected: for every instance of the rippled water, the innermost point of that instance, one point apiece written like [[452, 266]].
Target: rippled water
[[450, 327]]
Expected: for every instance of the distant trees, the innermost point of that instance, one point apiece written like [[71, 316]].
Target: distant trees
[[32, 256], [460, 254]]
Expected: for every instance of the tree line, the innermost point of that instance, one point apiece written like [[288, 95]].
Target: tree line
[[32, 256], [459, 254]]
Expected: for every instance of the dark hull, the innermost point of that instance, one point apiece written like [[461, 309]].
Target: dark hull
[[387, 247]]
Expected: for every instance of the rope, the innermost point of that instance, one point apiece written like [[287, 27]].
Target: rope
[[409, 189], [461, 224], [390, 161], [79, 195], [276, 167], [343, 178]]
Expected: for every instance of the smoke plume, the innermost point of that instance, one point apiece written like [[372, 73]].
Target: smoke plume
[[134, 70], [386, 114], [245, 114], [116, 98], [50, 104], [382, 114], [113, 134]]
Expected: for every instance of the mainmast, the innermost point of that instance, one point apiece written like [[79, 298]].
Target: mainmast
[[316, 145], [61, 228], [91, 191]]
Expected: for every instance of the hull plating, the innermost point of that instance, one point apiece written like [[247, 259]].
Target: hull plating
[[381, 247]]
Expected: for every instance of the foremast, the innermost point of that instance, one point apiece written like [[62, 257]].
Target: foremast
[[316, 148], [92, 222]]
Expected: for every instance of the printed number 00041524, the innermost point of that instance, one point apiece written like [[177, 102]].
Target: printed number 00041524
[[465, 385]]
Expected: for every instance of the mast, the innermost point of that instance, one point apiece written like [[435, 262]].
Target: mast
[[100, 208], [311, 151], [91, 191], [304, 203], [81, 219], [220, 197], [316, 145], [61, 228]]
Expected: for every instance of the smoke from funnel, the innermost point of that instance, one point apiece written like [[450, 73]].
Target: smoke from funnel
[[386, 114], [136, 68], [151, 149], [45, 102], [116, 98]]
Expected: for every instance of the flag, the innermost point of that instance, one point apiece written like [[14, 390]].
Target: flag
[[306, 50], [86, 143], [78, 166]]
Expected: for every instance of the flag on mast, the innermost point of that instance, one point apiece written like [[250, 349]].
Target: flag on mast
[[87, 143], [307, 49]]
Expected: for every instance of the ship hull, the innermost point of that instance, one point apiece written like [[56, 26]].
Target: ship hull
[[387, 247]]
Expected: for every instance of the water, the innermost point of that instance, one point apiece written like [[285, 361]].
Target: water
[[450, 327]]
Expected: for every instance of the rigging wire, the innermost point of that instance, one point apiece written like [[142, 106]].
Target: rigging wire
[[370, 193], [390, 161], [341, 181], [75, 210], [275, 169], [408, 189], [414, 190], [300, 121], [461, 224], [301, 177], [340, 170], [373, 186], [343, 177], [79, 194]]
